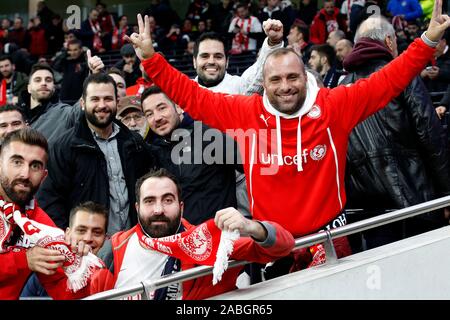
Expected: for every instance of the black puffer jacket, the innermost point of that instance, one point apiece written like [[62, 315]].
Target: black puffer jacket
[[206, 188], [398, 156], [77, 171]]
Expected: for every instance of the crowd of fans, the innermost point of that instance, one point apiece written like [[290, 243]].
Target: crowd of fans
[[93, 161]]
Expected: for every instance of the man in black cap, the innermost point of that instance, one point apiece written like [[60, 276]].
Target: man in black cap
[[129, 64]]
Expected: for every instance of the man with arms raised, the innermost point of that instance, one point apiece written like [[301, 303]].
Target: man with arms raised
[[298, 160]]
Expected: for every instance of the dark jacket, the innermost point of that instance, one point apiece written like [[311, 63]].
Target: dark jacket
[[205, 188], [398, 156], [51, 119], [77, 171], [19, 83], [130, 78], [75, 72]]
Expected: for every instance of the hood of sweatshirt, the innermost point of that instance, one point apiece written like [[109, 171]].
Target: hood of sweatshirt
[[366, 50], [312, 89]]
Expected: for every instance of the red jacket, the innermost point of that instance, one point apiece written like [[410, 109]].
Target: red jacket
[[298, 183], [323, 24], [139, 87], [201, 288], [14, 271]]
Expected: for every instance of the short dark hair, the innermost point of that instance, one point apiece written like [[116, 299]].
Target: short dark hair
[[304, 31], [28, 136], [325, 50], [98, 78], [6, 57], [151, 91], [75, 41], [13, 107], [209, 36], [90, 207], [41, 66], [114, 70], [160, 173]]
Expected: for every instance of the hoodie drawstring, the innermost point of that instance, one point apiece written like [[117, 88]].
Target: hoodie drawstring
[[299, 143]]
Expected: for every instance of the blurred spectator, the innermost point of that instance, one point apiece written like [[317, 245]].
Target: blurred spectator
[[246, 30], [163, 12], [74, 67], [174, 40], [427, 8], [221, 14], [334, 37], [343, 49], [298, 39], [12, 118], [107, 25], [326, 21], [307, 11], [437, 75], [407, 9], [119, 79], [36, 39], [55, 35], [43, 109], [346, 10], [198, 10], [45, 14], [142, 83], [122, 29], [91, 32], [18, 32], [4, 28], [20, 57], [157, 32], [189, 29], [412, 31], [129, 112], [281, 10], [13, 83], [98, 159], [322, 60], [129, 64]]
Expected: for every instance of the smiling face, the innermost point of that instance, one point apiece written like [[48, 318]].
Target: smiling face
[[159, 208], [100, 105], [162, 115], [41, 86], [22, 170], [211, 62], [285, 82]]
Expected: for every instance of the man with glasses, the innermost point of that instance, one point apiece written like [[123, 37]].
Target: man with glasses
[[129, 112]]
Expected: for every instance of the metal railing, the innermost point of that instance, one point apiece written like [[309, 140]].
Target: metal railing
[[325, 237]]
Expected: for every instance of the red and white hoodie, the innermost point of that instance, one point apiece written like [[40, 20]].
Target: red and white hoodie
[[294, 164]]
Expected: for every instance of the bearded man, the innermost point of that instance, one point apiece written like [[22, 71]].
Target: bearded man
[[99, 160]]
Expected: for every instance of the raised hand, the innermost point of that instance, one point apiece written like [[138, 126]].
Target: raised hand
[[142, 42], [273, 30], [438, 24], [95, 63]]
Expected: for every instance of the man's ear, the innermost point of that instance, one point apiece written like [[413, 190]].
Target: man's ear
[[194, 62], [181, 208], [388, 41], [82, 103]]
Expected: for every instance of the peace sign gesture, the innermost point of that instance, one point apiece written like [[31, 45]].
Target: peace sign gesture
[[438, 24], [142, 42]]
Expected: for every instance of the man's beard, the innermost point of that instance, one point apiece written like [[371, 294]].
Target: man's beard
[[7, 75], [159, 231], [90, 116], [20, 198], [208, 83]]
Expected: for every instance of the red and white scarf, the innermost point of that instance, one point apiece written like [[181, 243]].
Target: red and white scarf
[[77, 269], [97, 41], [205, 244]]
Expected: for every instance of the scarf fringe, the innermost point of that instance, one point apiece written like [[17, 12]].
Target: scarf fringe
[[79, 279], [226, 245]]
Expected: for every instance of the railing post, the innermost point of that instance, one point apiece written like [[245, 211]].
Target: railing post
[[330, 252]]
